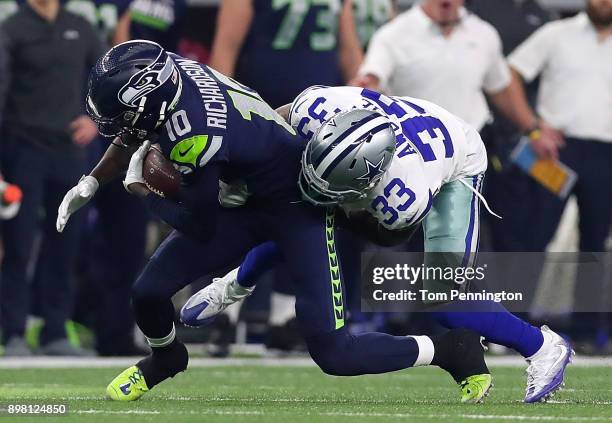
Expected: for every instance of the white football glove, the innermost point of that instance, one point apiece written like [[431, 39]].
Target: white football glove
[[134, 172], [74, 199], [10, 211]]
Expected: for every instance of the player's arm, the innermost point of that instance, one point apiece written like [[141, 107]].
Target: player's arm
[[366, 225], [122, 30], [114, 162], [233, 23], [194, 212], [351, 54]]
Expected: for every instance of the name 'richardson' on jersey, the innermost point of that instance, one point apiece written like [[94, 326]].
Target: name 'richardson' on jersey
[[212, 97]]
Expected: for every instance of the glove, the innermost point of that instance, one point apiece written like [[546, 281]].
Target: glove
[[74, 199], [10, 200], [234, 195], [10, 211], [134, 172]]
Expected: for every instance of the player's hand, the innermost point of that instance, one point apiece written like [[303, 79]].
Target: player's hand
[[134, 182], [548, 143], [74, 199], [84, 130]]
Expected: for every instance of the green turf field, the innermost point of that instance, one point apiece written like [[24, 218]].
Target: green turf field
[[304, 394]]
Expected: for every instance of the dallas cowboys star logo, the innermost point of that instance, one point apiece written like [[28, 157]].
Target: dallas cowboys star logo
[[373, 170]]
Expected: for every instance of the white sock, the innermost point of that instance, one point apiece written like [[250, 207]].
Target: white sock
[[241, 290], [426, 351], [282, 308], [547, 339]]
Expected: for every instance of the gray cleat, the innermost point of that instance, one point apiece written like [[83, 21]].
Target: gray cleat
[[17, 347], [63, 347]]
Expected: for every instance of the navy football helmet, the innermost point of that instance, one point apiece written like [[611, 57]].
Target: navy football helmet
[[132, 90]]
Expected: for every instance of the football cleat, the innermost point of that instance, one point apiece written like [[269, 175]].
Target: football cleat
[[206, 304], [460, 352], [130, 385], [546, 371], [475, 388]]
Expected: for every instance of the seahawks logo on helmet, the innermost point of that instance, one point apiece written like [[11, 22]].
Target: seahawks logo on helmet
[[145, 81]]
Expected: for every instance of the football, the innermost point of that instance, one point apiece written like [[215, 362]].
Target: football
[[160, 175]]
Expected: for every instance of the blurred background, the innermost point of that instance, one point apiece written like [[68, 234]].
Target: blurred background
[[69, 294]]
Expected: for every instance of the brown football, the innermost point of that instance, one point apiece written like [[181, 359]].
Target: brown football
[[160, 175]]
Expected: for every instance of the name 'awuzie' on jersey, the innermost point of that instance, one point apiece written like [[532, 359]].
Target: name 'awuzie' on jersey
[[218, 120], [433, 147]]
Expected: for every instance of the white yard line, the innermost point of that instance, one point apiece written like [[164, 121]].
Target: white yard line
[[472, 416], [98, 362], [173, 412], [433, 416]]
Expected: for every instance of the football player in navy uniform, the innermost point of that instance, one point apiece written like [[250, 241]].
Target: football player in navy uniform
[[105, 15], [435, 177], [155, 20], [214, 129], [282, 47]]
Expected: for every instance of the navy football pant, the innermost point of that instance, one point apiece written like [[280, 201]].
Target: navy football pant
[[305, 236], [451, 226], [44, 175]]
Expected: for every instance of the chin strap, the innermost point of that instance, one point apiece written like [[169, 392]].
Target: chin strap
[[162, 115], [138, 112], [165, 108]]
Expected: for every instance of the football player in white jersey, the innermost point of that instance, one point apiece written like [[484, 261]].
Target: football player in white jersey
[[433, 148], [433, 174]]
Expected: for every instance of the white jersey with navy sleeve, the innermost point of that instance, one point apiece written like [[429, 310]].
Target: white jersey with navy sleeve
[[433, 147]]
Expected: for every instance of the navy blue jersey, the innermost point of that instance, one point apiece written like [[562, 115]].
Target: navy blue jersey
[[218, 120], [291, 45], [157, 20], [102, 14]]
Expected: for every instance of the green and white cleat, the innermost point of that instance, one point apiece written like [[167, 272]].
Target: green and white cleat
[[475, 388], [130, 385]]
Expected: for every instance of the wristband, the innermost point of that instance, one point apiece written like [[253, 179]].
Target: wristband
[[535, 132]]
